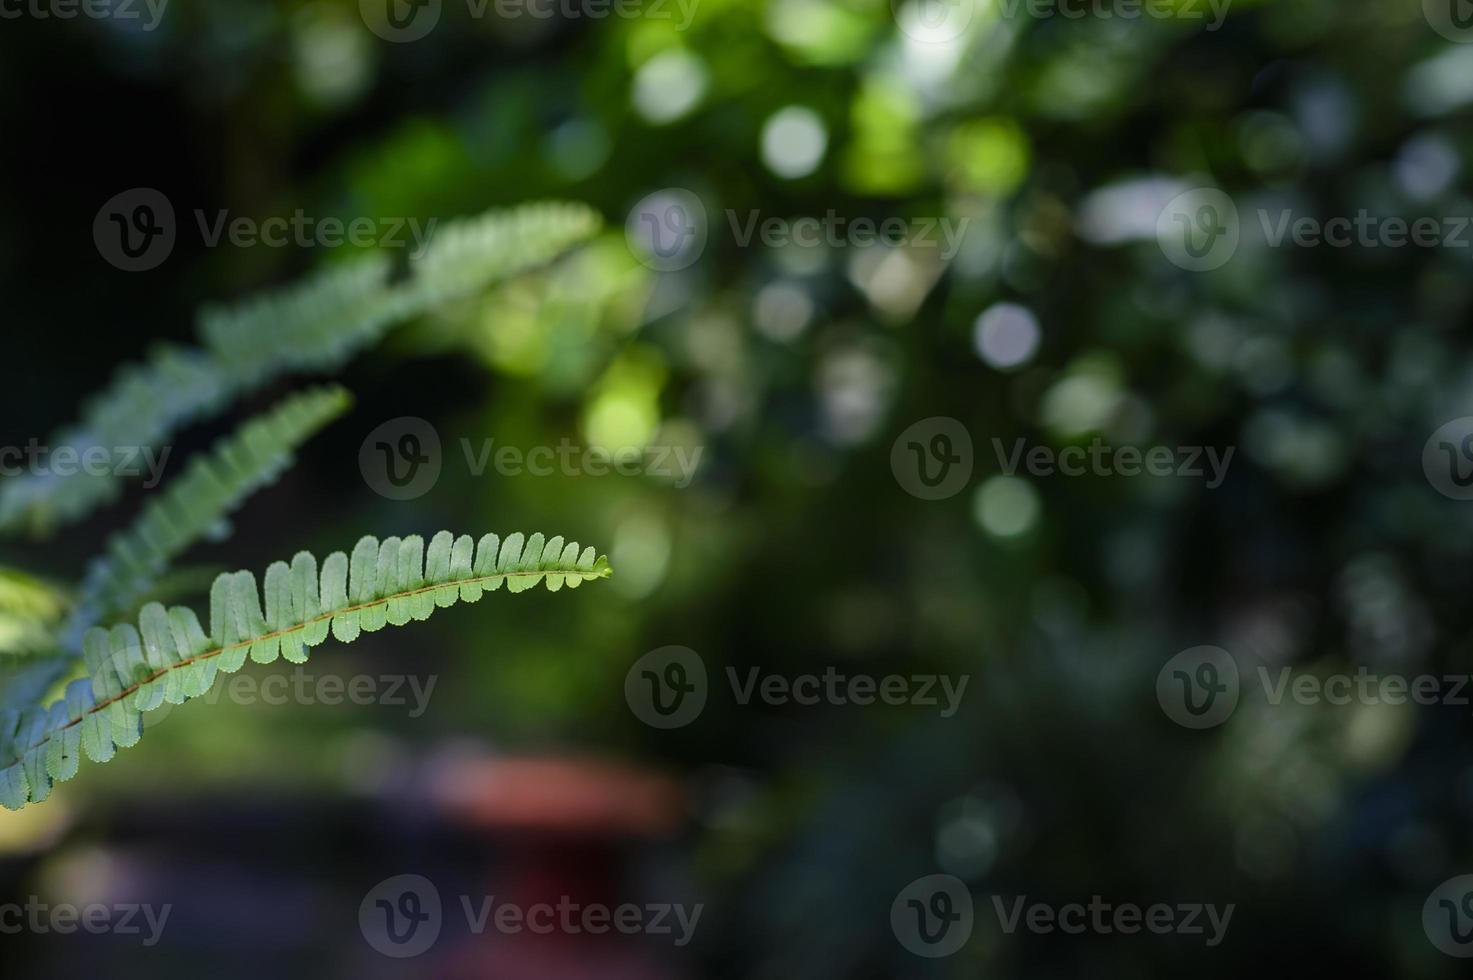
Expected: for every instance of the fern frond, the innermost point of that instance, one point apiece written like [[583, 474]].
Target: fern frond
[[315, 325], [193, 506], [141, 407], [465, 257], [318, 324], [169, 658]]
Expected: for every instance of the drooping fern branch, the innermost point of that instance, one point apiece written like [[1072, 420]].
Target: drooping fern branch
[[169, 658], [313, 326], [193, 506], [142, 405]]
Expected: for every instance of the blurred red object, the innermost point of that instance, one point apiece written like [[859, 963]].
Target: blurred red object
[[553, 795], [567, 829]]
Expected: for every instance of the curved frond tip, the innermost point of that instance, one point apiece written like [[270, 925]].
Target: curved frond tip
[[169, 657]]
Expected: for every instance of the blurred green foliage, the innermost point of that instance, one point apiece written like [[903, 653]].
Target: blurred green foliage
[[795, 368]]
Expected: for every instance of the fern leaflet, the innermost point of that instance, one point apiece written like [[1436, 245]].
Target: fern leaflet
[[169, 658], [315, 325], [213, 486]]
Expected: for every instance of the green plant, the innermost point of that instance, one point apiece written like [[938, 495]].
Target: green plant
[[107, 678], [313, 326]]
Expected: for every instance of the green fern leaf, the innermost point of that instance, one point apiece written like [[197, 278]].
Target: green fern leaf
[[142, 406], [169, 658], [214, 486], [315, 325], [465, 257]]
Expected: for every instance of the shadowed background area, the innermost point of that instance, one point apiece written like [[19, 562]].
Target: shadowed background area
[[783, 384]]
